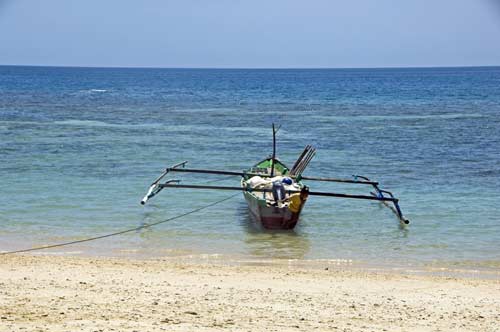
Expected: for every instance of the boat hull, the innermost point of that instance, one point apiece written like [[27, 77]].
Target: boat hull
[[271, 217], [261, 207]]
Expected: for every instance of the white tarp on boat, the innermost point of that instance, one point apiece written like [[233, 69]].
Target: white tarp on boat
[[267, 183]]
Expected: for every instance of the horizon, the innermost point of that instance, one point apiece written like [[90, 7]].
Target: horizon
[[253, 68], [285, 34]]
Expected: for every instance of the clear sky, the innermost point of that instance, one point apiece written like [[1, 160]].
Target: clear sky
[[250, 33]]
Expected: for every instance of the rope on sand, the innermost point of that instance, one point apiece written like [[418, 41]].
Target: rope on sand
[[120, 232]]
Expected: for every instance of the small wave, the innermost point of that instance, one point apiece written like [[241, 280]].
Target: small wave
[[90, 91], [91, 123], [247, 130], [400, 117], [95, 123]]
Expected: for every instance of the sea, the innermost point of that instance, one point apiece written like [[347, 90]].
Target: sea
[[79, 148]]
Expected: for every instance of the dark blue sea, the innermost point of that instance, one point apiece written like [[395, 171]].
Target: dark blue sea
[[80, 146]]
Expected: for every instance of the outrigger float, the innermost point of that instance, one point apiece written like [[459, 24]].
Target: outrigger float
[[275, 193]]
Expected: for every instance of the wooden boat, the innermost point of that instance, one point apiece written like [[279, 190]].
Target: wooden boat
[[272, 212], [276, 194]]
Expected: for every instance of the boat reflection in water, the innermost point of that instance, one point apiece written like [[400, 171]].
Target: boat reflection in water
[[271, 244]]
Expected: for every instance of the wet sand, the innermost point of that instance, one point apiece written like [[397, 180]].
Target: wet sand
[[44, 293]]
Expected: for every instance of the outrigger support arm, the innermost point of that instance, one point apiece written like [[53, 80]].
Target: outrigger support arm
[[155, 188], [377, 195], [311, 193], [311, 178], [379, 198], [378, 192], [206, 171], [221, 172]]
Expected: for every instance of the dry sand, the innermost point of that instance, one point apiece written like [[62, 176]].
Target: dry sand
[[42, 293]]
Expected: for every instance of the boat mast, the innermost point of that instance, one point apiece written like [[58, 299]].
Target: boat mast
[[274, 150]]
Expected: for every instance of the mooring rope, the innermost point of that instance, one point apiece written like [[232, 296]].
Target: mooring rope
[[120, 232]]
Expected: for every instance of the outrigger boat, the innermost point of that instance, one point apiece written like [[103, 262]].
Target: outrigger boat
[[276, 194]]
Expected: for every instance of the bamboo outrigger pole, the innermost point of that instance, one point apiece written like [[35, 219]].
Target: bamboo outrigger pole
[[374, 197], [311, 193], [311, 178], [222, 172]]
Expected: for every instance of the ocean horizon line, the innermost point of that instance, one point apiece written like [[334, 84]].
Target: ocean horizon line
[[252, 68]]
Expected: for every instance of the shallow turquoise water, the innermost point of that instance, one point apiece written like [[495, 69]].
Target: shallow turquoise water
[[80, 146]]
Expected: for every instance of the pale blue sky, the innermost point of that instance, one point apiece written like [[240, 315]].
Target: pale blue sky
[[250, 33]]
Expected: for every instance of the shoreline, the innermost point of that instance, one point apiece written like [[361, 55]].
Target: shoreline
[[466, 269], [67, 293]]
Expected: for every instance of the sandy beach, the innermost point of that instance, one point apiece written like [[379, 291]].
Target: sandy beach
[[43, 293]]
